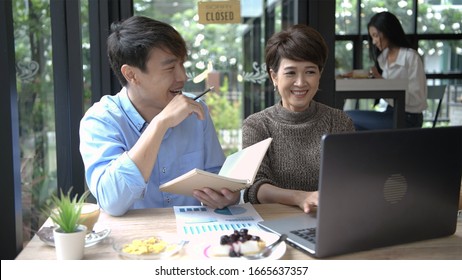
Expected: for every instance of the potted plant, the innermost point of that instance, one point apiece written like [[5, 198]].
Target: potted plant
[[69, 234]]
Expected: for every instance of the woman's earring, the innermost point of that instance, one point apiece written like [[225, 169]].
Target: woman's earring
[[276, 89]]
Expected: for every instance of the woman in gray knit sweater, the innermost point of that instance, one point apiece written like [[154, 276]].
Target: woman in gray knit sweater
[[289, 172]]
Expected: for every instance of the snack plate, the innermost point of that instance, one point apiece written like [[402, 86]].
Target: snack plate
[[172, 247], [200, 250], [46, 235]]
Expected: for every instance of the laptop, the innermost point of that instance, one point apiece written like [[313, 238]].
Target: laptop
[[380, 188]]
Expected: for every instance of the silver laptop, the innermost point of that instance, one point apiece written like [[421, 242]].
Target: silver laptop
[[380, 188]]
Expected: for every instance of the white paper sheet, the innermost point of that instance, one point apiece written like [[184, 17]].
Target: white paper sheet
[[194, 221]]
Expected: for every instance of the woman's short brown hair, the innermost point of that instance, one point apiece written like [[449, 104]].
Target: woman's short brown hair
[[299, 43]]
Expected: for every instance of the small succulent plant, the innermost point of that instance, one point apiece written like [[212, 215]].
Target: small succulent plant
[[66, 211]]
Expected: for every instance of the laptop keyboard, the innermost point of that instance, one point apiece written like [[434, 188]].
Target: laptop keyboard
[[306, 233]]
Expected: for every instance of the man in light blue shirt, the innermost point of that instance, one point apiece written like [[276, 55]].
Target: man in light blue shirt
[[148, 133]]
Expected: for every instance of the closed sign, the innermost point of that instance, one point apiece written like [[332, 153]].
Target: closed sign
[[219, 11]]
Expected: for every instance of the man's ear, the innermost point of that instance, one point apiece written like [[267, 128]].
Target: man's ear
[[128, 73]]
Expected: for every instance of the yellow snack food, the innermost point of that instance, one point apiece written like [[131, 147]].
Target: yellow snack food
[[151, 245]]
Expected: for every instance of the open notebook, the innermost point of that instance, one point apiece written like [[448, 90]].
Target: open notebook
[[237, 173]]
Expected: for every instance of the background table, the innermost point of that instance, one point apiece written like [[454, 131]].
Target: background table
[[374, 89]]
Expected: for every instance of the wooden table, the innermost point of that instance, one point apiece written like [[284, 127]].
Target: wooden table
[[153, 220], [374, 89]]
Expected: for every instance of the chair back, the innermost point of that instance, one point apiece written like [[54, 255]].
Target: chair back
[[436, 93]]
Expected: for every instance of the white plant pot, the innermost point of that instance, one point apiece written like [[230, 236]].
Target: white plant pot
[[70, 246]]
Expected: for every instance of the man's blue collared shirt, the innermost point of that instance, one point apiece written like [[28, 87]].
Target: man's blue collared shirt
[[112, 126]]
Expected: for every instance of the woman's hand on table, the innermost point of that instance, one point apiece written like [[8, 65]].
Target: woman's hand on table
[[309, 202]]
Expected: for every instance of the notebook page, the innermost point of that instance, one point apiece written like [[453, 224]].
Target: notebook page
[[245, 163]]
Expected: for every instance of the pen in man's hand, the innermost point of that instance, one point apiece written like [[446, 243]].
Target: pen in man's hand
[[200, 95]]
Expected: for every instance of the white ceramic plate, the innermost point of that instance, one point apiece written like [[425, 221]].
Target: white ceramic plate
[[199, 250], [173, 245], [46, 235]]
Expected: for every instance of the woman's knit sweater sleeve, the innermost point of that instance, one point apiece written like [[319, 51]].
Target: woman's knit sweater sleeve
[[252, 132]]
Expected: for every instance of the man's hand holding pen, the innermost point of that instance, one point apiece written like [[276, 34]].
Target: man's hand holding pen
[[181, 107], [200, 95]]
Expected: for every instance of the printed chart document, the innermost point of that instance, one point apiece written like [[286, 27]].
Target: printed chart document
[[237, 173], [195, 221]]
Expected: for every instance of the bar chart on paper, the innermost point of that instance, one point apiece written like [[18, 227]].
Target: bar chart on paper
[[196, 220]]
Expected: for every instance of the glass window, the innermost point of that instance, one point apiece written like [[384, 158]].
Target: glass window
[[367, 62], [215, 58], [32, 35], [348, 20], [343, 57], [441, 56], [278, 17], [86, 58], [346, 17], [437, 17], [439, 20], [401, 8]]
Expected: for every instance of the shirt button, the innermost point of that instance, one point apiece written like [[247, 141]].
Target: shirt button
[[164, 169]]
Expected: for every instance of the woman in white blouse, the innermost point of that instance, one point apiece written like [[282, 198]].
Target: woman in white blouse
[[394, 58]]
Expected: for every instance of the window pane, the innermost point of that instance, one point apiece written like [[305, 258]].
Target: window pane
[[402, 9], [343, 57], [441, 56], [278, 17], [367, 62], [437, 18], [346, 17], [86, 58], [32, 33]]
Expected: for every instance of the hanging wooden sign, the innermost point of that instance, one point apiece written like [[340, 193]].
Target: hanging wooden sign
[[219, 12]]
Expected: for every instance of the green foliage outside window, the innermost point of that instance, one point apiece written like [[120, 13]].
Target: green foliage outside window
[[216, 44]]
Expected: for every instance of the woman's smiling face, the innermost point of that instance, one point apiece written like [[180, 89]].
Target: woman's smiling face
[[297, 83]]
